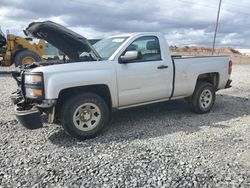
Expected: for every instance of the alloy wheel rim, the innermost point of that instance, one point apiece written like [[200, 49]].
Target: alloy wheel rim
[[87, 116], [205, 98]]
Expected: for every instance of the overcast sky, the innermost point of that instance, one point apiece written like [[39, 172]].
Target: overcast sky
[[184, 22]]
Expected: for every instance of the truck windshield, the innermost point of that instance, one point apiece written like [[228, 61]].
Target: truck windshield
[[106, 47]]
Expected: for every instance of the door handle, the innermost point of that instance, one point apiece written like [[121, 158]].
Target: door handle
[[162, 67]]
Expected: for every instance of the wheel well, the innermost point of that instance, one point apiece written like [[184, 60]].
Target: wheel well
[[212, 78], [100, 89]]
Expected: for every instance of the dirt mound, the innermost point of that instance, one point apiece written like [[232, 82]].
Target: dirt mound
[[200, 50]]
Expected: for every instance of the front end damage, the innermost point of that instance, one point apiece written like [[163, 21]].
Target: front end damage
[[30, 108], [29, 99], [29, 118]]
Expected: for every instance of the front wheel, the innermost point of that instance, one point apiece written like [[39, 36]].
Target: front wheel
[[84, 116], [203, 98]]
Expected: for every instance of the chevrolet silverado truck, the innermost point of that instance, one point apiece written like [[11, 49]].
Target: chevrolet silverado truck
[[81, 91]]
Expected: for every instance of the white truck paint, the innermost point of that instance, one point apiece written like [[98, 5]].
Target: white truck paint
[[115, 73], [133, 84]]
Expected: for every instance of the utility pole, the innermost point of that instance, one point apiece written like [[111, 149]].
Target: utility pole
[[216, 27]]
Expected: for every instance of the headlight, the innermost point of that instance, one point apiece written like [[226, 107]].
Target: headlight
[[33, 93], [33, 78], [34, 87]]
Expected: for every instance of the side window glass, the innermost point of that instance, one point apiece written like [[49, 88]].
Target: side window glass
[[148, 48]]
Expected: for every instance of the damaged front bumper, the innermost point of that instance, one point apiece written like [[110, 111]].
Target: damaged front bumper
[[29, 116], [29, 110]]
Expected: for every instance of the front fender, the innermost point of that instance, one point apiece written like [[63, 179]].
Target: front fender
[[54, 83]]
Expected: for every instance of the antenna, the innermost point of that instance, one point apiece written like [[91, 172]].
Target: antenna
[[216, 27]]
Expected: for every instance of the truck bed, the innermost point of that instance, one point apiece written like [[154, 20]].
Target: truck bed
[[187, 68]]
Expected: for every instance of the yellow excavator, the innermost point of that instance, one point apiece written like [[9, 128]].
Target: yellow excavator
[[18, 50]]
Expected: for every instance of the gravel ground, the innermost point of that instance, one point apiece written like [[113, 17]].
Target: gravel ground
[[7, 70], [161, 145]]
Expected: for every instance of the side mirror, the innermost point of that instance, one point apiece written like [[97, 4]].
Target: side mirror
[[128, 56]]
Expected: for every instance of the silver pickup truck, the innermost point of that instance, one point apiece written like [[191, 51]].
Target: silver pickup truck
[[118, 72]]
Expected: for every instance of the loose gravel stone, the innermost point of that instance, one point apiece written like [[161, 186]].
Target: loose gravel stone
[[161, 145]]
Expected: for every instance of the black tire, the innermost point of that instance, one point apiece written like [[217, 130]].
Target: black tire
[[70, 109], [203, 98], [32, 57]]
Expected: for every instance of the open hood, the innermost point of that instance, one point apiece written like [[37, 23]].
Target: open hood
[[70, 43]]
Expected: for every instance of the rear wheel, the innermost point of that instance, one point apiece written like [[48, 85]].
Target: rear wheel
[[203, 98], [84, 116], [26, 57]]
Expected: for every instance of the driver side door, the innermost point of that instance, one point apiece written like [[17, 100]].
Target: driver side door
[[144, 79]]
